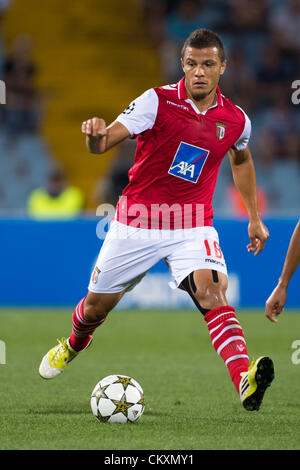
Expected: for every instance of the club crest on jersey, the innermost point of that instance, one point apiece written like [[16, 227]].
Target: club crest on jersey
[[188, 162], [220, 130], [95, 275]]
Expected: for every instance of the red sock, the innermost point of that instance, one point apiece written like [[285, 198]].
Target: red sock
[[82, 330], [228, 340]]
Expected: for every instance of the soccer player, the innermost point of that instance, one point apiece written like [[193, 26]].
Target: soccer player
[[277, 299], [183, 131]]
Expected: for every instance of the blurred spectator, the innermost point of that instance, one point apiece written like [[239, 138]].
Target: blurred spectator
[[284, 24], [155, 13], [178, 24], [284, 30], [269, 75], [188, 16], [23, 108], [277, 166], [247, 15], [237, 206], [280, 116], [265, 153], [238, 81], [57, 200], [4, 6]]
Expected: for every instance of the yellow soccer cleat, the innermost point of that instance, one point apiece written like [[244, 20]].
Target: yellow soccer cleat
[[254, 383], [57, 359]]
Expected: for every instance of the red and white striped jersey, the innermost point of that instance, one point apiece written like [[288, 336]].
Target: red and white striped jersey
[[178, 155]]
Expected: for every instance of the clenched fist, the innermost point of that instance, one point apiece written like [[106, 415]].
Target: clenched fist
[[96, 133]]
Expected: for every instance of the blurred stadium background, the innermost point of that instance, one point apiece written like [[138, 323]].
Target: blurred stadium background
[[63, 62]]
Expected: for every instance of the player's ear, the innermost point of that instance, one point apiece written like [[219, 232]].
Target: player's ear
[[223, 67], [182, 64]]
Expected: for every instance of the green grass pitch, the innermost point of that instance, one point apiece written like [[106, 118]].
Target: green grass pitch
[[191, 402]]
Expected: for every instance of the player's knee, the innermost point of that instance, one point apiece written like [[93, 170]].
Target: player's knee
[[211, 290], [210, 296], [206, 292]]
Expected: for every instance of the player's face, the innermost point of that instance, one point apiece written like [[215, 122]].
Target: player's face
[[202, 68]]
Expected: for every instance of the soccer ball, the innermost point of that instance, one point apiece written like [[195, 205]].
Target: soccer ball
[[118, 399]]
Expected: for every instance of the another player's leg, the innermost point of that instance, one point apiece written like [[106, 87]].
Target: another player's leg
[[90, 313], [208, 290]]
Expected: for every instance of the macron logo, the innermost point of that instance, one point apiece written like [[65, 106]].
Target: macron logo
[[178, 105]]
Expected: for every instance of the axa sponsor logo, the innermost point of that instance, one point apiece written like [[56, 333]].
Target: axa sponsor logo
[[188, 162]]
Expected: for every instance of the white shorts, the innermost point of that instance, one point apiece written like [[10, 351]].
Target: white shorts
[[128, 253]]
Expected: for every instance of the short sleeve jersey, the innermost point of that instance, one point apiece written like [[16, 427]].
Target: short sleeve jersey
[[178, 155]]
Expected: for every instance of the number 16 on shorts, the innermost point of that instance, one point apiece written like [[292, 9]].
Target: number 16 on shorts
[[214, 254], [215, 246]]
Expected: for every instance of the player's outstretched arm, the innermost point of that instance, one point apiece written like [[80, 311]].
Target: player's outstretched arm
[[277, 299], [244, 177], [100, 138]]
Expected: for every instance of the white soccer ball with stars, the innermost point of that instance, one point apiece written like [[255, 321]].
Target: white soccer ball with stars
[[118, 399]]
